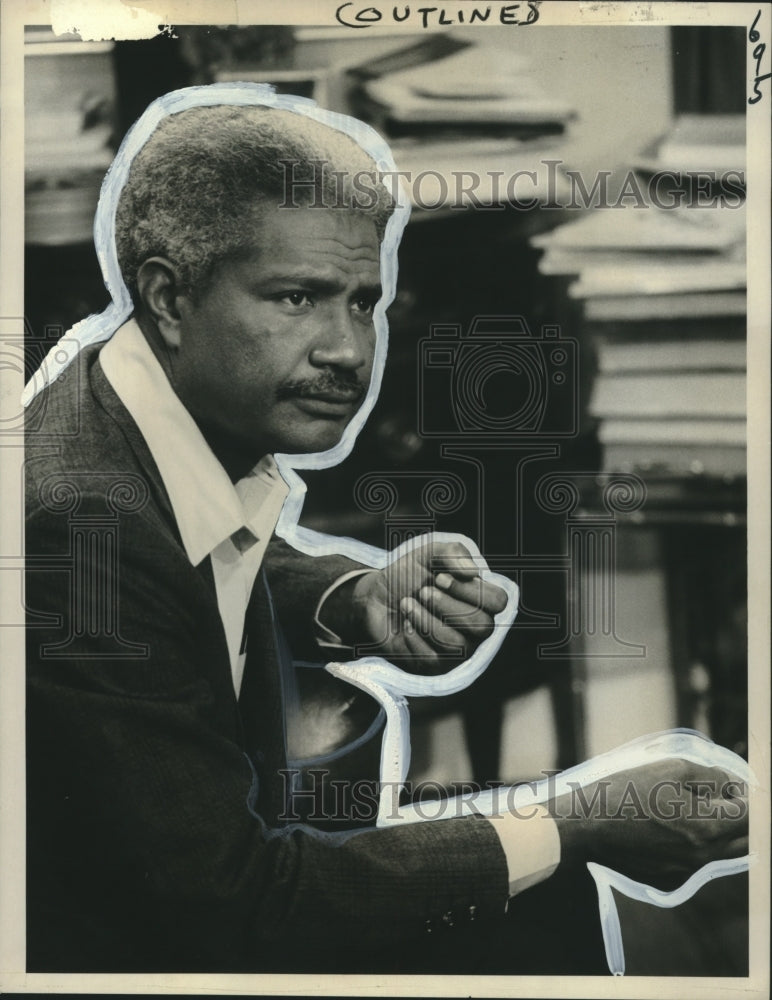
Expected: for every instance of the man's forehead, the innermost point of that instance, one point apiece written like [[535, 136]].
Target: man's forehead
[[298, 233]]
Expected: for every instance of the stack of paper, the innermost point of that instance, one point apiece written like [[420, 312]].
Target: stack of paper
[[663, 294]]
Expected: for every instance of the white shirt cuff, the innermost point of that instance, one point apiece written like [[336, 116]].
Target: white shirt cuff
[[325, 636], [531, 845]]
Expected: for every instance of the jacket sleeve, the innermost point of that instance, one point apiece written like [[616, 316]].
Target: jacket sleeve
[[143, 851], [298, 583]]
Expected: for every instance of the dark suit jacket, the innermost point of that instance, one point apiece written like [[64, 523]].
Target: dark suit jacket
[[150, 839]]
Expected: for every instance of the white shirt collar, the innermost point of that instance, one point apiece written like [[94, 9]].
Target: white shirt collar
[[207, 506]]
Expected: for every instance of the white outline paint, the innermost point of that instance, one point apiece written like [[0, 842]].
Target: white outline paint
[[97, 328], [607, 879], [385, 682], [682, 744]]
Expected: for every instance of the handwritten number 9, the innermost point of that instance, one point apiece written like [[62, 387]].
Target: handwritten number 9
[[758, 55]]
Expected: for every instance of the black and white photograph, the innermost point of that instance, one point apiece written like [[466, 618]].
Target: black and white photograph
[[385, 449]]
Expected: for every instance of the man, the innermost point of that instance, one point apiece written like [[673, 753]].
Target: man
[[162, 702]]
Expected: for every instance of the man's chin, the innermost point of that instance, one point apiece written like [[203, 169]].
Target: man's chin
[[324, 440]]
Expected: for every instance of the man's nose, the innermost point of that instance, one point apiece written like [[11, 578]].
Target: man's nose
[[343, 342]]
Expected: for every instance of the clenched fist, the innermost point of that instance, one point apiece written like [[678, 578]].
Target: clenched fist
[[426, 612]]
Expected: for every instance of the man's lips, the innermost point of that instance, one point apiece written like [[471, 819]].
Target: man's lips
[[352, 395], [329, 402]]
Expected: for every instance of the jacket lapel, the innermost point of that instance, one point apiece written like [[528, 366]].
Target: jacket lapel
[[261, 702], [108, 399], [104, 394]]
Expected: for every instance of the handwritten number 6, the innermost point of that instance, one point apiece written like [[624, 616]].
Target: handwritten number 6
[[753, 35]]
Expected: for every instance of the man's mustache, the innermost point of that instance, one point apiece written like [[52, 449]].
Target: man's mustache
[[327, 384]]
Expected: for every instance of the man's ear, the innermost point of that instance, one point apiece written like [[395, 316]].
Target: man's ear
[[159, 286]]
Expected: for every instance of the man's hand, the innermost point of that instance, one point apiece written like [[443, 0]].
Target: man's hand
[[657, 824], [426, 612]]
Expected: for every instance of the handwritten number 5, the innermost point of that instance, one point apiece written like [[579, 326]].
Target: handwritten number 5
[[758, 55]]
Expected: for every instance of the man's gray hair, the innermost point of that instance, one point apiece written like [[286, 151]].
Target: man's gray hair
[[192, 186]]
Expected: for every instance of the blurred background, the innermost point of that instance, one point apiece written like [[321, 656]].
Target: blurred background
[[565, 381]]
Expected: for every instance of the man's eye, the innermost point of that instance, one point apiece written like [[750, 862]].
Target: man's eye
[[297, 299], [364, 305]]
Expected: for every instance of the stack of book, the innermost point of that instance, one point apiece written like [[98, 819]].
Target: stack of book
[[69, 98], [664, 299], [467, 123], [699, 143], [464, 94]]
